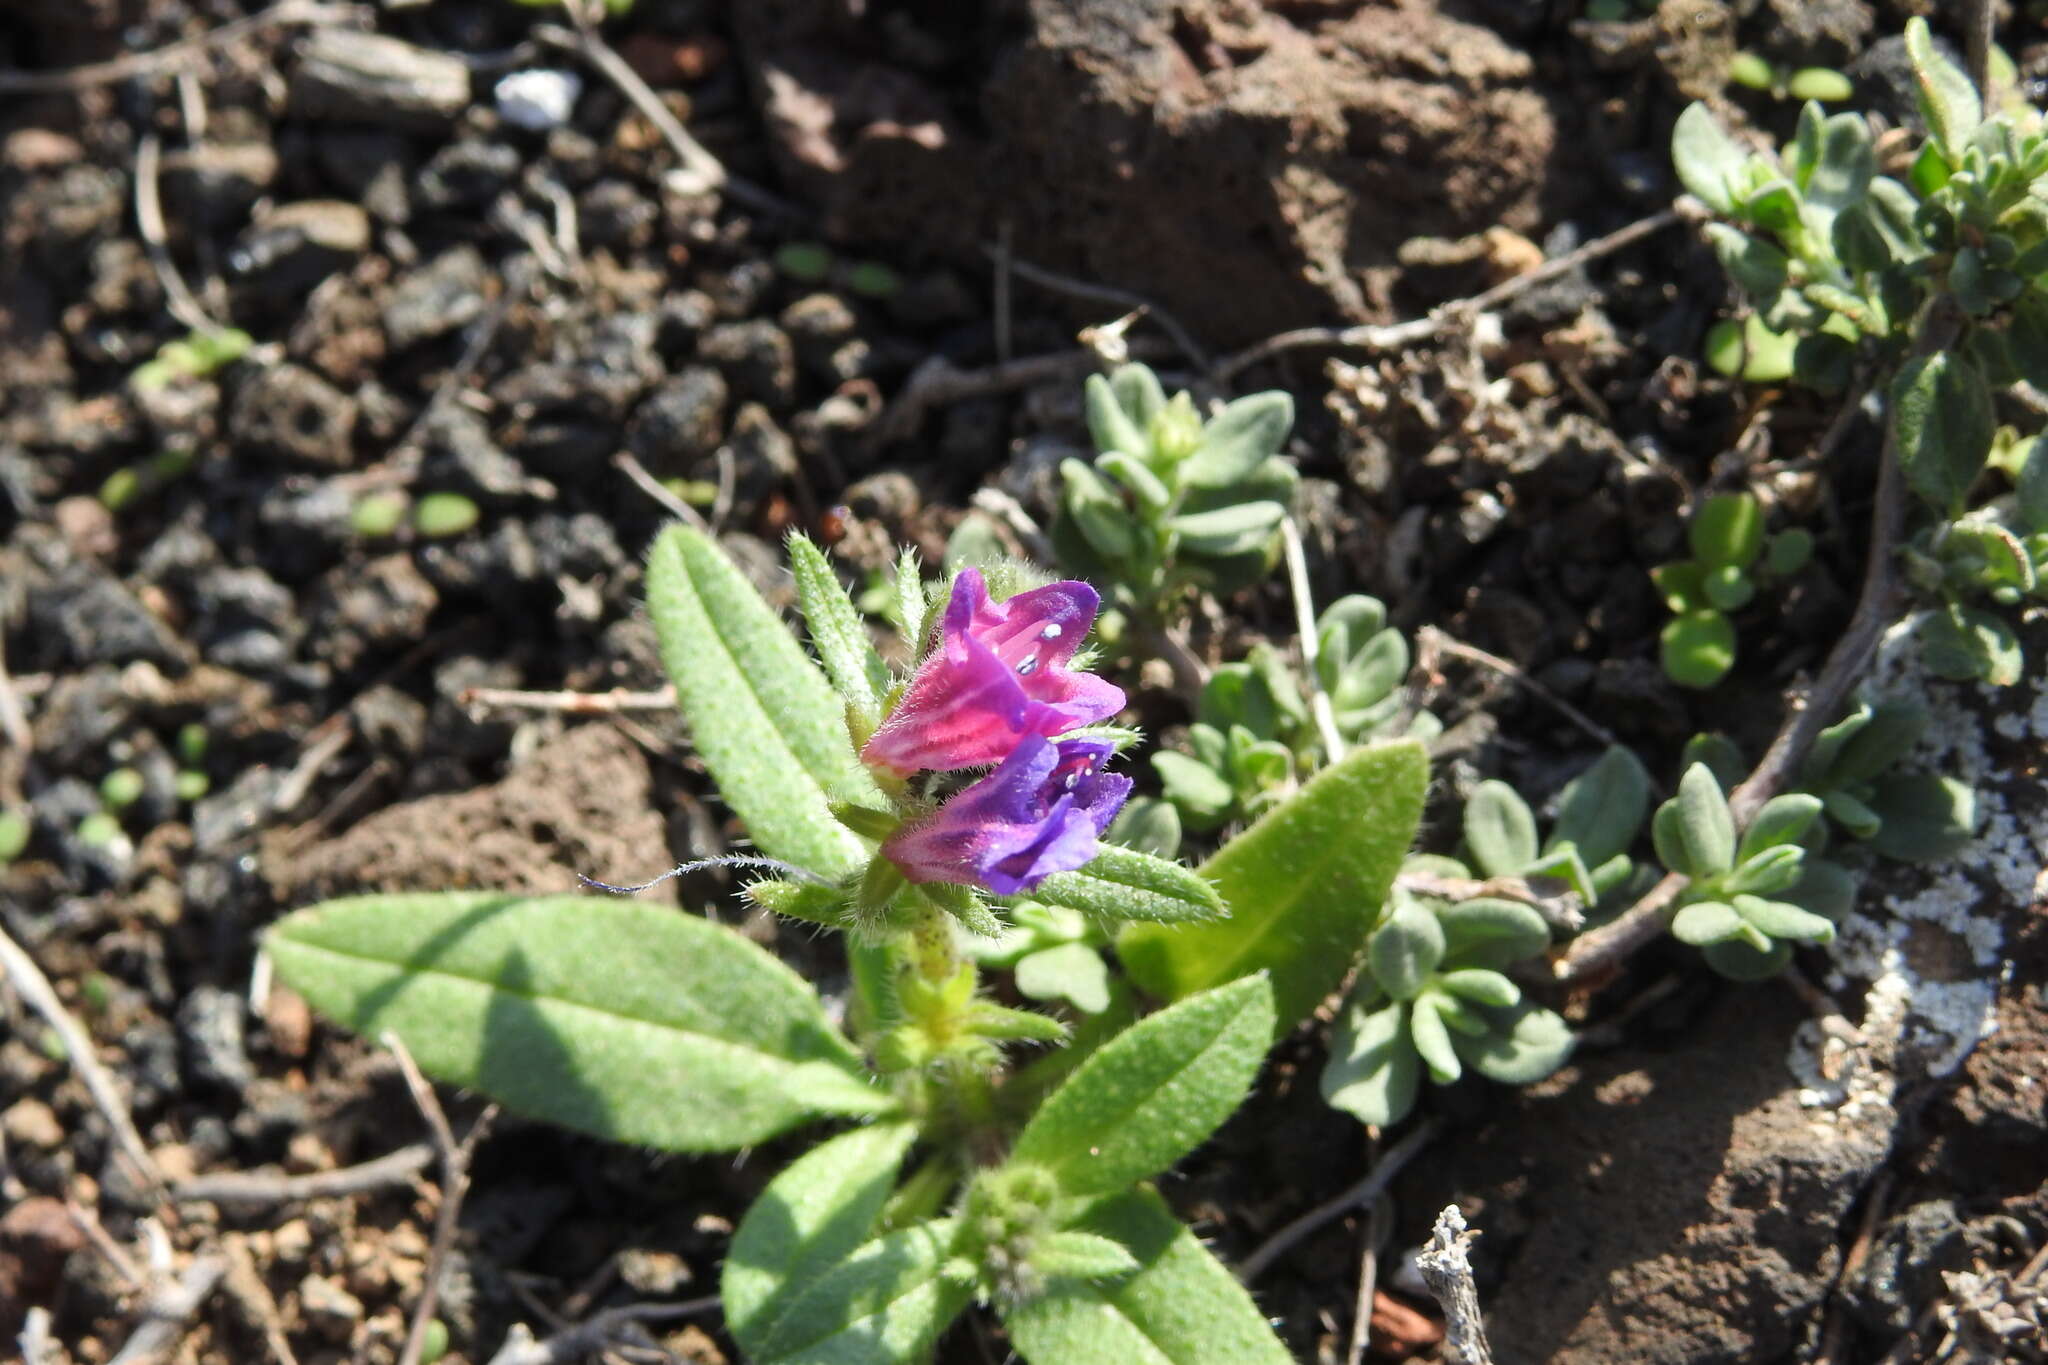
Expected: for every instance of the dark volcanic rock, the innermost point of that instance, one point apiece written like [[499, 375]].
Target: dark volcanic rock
[[289, 411], [681, 421]]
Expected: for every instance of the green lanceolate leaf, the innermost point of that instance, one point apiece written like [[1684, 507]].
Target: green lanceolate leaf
[[1783, 920], [769, 726], [1942, 421], [1489, 932], [836, 630], [1152, 1094], [635, 1022], [1228, 530], [1124, 884], [1705, 922], [1137, 391], [1704, 823], [1181, 1307], [1500, 829], [1729, 530], [1433, 1040], [1754, 264], [1373, 1071], [1081, 1256], [1111, 427], [1600, 811], [810, 1218], [885, 1304], [1304, 885], [912, 606], [1708, 161], [1097, 510], [1202, 795], [1239, 439], [1783, 820], [1947, 98]]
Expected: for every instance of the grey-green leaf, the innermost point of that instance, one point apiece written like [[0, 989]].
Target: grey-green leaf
[[1926, 818], [1228, 530], [1526, 1044], [635, 1022], [1500, 829], [1706, 158], [1704, 822], [886, 1304], [811, 1217], [1489, 932], [1947, 98], [1405, 950], [1239, 439], [1782, 820], [1942, 422], [1304, 884], [1124, 884], [1373, 1072], [1433, 1040], [1705, 922], [765, 721], [1601, 810], [1783, 920], [1182, 1307], [1071, 1255], [837, 631], [1152, 1094], [1069, 971], [1108, 423]]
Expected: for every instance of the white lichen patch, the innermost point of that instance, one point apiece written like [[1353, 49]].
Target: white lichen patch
[[1925, 945]]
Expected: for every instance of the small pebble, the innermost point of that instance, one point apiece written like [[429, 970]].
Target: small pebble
[[539, 100]]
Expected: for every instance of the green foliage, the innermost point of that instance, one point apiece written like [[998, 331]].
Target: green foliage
[[1731, 556], [631, 1021], [440, 515], [196, 355], [1172, 503], [1152, 1094], [817, 1212], [1600, 812], [1937, 283], [1305, 886], [15, 831], [765, 720], [1747, 900], [885, 1304], [1917, 817], [1179, 1306], [1434, 998], [1780, 82], [134, 484], [1254, 734], [378, 515]]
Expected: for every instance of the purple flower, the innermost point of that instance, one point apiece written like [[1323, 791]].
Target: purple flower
[[1039, 813], [999, 673]]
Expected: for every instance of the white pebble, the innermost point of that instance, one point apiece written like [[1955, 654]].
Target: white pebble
[[538, 100]]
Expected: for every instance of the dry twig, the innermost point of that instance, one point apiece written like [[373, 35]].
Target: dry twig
[[1561, 910], [937, 382], [1376, 1180], [172, 54], [1435, 642], [574, 703], [454, 1158], [263, 1187], [1373, 1235], [1447, 1270], [573, 1343], [1397, 336], [169, 1309], [654, 488], [35, 988], [1103, 293], [183, 304]]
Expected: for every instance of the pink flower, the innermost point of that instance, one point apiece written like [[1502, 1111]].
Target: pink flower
[[998, 675], [1040, 812]]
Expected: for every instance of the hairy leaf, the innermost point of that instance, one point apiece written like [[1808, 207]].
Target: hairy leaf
[[1373, 1071], [1500, 829], [1181, 1307], [1942, 421], [1124, 884], [836, 630], [635, 1022], [1239, 439], [885, 1304], [767, 723], [1152, 1094], [1601, 811], [1305, 885]]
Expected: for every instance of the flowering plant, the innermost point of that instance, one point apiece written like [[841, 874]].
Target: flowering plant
[[946, 821]]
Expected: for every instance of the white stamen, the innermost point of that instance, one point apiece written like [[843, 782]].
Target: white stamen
[[1026, 667], [1051, 632]]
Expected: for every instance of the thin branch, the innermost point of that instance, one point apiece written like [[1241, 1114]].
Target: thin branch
[[705, 170], [1846, 664], [1442, 643], [183, 304], [1979, 28], [246, 1286], [262, 1187], [1397, 336], [1103, 293], [13, 718], [35, 1336], [169, 1309], [35, 988], [574, 703], [1447, 1270], [1376, 1180], [1371, 1236], [173, 54], [937, 382], [1305, 623], [1561, 910], [573, 1343], [1011, 513], [454, 1158], [624, 462]]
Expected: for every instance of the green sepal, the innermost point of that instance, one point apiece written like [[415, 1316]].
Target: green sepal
[[837, 632], [808, 901]]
